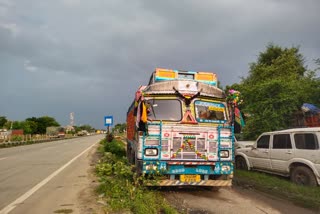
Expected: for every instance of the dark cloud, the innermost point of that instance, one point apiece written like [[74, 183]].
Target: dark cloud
[[88, 57]]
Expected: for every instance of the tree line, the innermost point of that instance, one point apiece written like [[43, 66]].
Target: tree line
[[275, 89], [34, 125]]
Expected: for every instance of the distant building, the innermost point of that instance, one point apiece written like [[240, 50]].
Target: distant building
[[69, 128], [17, 132], [4, 133]]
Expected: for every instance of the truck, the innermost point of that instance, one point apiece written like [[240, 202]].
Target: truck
[[55, 132], [180, 126]]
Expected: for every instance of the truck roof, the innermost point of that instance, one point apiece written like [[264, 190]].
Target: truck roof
[[165, 81], [162, 74], [296, 130]]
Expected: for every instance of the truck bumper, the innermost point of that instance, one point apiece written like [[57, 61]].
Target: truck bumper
[[211, 183]]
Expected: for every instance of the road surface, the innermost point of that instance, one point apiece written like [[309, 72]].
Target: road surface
[[56, 177], [46, 177]]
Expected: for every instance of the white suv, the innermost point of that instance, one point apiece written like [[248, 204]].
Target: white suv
[[293, 152]]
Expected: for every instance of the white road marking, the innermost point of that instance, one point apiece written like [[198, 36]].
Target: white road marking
[[26, 195], [2, 158]]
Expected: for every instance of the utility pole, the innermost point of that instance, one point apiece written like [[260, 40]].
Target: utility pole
[[72, 119]]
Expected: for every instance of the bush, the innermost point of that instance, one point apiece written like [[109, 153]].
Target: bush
[[122, 187], [115, 148], [109, 137], [16, 138]]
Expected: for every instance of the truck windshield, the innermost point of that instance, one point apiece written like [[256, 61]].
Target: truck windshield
[[210, 112], [164, 109]]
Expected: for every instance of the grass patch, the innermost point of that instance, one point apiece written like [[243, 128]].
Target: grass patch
[[123, 190], [279, 186]]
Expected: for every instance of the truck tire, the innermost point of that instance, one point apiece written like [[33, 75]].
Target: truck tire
[[138, 167], [241, 163], [302, 175], [129, 153]]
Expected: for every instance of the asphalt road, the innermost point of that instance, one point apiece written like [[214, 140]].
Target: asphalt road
[[53, 178], [32, 175]]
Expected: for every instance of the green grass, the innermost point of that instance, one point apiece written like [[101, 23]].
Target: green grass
[[124, 191], [122, 188], [279, 186]]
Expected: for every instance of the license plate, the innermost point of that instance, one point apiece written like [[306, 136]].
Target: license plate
[[190, 178]]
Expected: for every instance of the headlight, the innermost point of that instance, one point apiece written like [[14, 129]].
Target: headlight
[[151, 167], [225, 168], [151, 152], [224, 154]]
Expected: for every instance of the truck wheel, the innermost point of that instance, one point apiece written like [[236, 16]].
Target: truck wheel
[[133, 157], [241, 163], [302, 175], [129, 153]]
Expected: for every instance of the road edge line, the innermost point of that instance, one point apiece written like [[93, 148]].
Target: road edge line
[[26, 195]]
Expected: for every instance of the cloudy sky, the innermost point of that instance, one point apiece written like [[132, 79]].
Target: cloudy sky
[[89, 57]]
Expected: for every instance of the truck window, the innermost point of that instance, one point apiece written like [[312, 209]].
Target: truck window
[[306, 141], [210, 112], [164, 109], [263, 142], [282, 141]]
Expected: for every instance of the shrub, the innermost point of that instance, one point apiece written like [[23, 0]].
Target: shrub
[[122, 187], [115, 148], [16, 138], [109, 137]]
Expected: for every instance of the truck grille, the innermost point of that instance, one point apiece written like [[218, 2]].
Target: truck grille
[[188, 149]]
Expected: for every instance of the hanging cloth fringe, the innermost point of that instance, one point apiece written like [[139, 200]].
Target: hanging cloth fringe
[[144, 113]]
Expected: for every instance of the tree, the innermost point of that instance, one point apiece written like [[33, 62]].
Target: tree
[[33, 124], [276, 87], [3, 121], [17, 125], [119, 128], [44, 122], [8, 124], [317, 61], [87, 128], [29, 127]]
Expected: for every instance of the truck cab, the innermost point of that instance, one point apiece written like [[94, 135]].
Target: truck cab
[[179, 126]]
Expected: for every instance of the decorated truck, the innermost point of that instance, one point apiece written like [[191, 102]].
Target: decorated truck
[[180, 127]]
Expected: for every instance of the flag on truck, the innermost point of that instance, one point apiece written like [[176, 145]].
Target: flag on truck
[[238, 117]]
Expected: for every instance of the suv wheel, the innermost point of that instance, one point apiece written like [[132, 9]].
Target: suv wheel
[[302, 175], [241, 163]]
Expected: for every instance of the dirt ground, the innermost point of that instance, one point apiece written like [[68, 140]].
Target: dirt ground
[[88, 198], [234, 200]]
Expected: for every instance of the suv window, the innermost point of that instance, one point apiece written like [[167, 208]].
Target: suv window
[[306, 141], [282, 141], [263, 142]]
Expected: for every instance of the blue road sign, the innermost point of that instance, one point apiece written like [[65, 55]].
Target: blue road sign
[[108, 120]]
